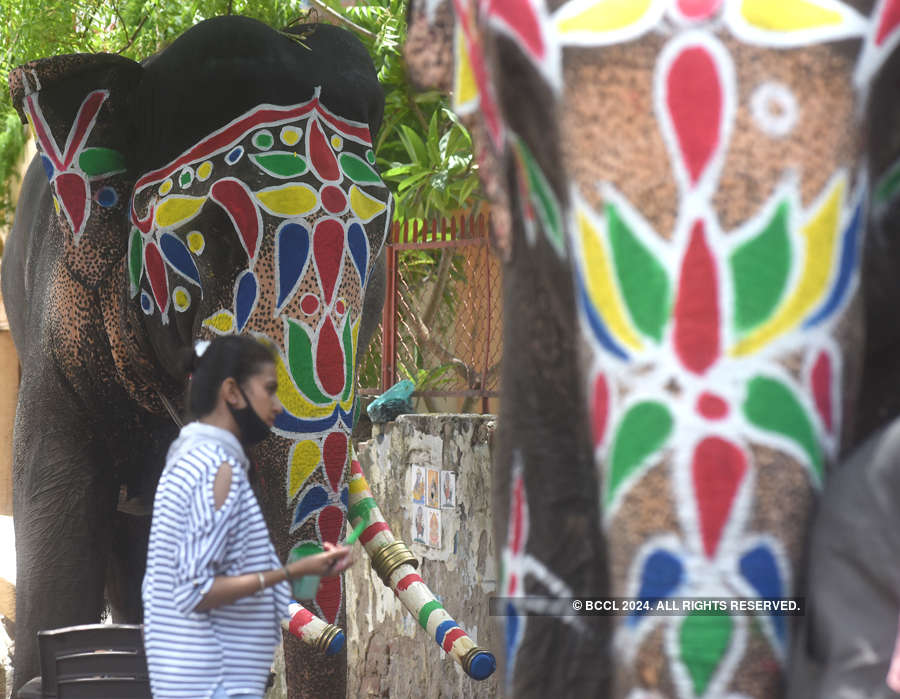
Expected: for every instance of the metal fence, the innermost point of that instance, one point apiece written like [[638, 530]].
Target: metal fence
[[442, 321]]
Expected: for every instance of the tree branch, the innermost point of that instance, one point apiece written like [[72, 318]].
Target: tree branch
[[318, 4], [134, 36]]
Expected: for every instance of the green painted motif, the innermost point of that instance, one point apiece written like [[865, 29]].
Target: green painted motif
[[772, 406], [887, 186], [347, 338], [300, 363], [543, 199], [642, 432], [263, 140], [370, 156], [280, 164], [642, 279], [96, 162], [361, 509], [358, 169], [135, 260], [703, 641], [186, 177], [760, 269], [426, 611], [302, 550]]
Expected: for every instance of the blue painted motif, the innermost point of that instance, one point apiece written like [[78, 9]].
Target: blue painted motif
[[48, 167], [314, 500], [345, 497], [601, 332], [146, 303], [513, 638], [179, 257], [662, 574], [291, 254], [234, 155], [290, 423], [442, 630], [358, 243], [760, 569], [107, 197], [849, 248], [246, 293]]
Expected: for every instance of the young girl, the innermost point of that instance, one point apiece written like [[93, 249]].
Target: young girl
[[215, 591]]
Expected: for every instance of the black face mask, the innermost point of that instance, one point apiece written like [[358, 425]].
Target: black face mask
[[253, 428]]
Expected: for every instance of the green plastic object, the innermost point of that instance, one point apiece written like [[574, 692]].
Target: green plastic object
[[393, 402], [354, 535]]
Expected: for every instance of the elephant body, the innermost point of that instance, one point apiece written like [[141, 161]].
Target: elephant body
[[683, 191], [227, 185]]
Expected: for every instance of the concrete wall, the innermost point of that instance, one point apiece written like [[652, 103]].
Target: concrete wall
[[389, 654]]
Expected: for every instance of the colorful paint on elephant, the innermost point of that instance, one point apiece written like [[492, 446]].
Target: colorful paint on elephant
[[716, 345], [73, 169], [299, 188]]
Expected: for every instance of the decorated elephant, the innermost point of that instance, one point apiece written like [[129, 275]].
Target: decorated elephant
[[227, 185], [681, 191]]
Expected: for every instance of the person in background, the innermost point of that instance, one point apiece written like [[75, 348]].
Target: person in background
[[215, 591]]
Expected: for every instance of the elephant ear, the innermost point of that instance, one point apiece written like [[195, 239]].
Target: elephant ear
[[77, 106]]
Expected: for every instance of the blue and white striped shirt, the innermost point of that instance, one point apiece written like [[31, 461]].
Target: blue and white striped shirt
[[189, 653]]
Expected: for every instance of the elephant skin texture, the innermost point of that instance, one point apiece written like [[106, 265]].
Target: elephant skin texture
[[226, 185]]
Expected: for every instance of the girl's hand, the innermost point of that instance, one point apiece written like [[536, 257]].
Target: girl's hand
[[331, 562]]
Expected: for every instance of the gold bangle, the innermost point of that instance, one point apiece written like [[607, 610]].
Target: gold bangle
[[262, 581]]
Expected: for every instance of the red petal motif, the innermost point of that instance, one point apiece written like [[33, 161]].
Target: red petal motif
[[74, 197], [330, 359], [328, 250], [320, 154], [890, 18], [235, 198], [697, 308], [334, 454], [820, 378], [718, 469], [156, 271], [694, 100]]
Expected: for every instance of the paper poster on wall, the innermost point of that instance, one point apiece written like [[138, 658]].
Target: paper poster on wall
[[434, 527], [418, 484], [434, 498], [418, 527], [448, 489]]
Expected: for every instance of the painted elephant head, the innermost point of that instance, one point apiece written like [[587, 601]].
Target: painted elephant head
[[687, 188], [227, 185]]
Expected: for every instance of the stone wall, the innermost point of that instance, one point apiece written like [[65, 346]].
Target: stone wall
[[389, 654]]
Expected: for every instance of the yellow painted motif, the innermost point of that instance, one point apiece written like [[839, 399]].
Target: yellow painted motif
[[56, 204], [293, 400], [604, 16], [819, 253], [165, 188], [221, 323], [305, 457], [181, 298], [337, 142], [358, 486], [290, 135], [196, 242], [289, 199], [465, 89], [365, 207], [789, 15], [204, 171], [354, 336], [177, 209], [600, 287]]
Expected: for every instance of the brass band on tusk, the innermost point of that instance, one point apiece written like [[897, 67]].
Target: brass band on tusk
[[327, 636], [390, 557]]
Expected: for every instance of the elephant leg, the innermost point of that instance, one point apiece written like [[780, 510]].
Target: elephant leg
[[127, 562], [61, 507]]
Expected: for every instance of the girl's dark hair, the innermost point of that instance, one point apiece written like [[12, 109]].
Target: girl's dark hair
[[236, 356]]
